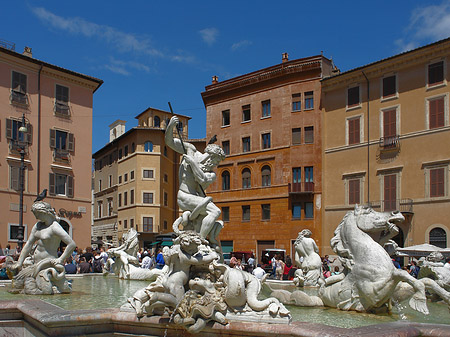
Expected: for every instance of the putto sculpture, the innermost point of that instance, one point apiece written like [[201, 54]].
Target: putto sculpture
[[40, 270], [194, 286], [308, 259], [123, 260]]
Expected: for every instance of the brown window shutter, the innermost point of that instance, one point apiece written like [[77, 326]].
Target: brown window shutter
[[9, 125], [51, 183], [389, 123], [70, 142], [354, 191], [15, 172], [52, 138], [440, 112], [70, 186], [437, 182], [29, 133]]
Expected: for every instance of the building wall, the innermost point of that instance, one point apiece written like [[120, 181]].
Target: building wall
[[39, 113], [277, 84], [419, 147]]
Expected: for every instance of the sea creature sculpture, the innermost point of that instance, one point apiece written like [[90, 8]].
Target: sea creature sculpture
[[310, 271]]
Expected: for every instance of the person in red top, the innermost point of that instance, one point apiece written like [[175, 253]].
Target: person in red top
[[287, 268]]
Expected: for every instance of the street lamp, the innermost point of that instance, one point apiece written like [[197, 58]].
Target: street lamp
[[22, 146]]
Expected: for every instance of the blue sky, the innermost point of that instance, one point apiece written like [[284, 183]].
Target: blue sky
[[152, 52]]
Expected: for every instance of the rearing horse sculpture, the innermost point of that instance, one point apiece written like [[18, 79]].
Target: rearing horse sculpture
[[369, 277]]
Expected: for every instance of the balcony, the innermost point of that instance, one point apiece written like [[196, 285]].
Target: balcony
[[390, 143], [300, 188], [402, 205], [15, 146], [61, 109], [18, 96], [61, 156]]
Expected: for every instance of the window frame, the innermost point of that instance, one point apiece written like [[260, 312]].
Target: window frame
[[225, 213], [148, 169], [246, 209], [445, 97], [226, 147], [61, 104], [296, 102], [150, 194], [226, 116], [347, 97], [444, 70], [265, 212], [246, 175], [21, 95], [309, 98], [348, 120], [428, 167], [397, 119], [298, 133], [246, 140], [226, 183], [266, 109], [25, 232], [392, 95], [246, 113], [308, 130], [266, 182], [266, 141]]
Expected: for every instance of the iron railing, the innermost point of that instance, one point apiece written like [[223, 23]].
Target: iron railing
[[391, 142], [303, 187]]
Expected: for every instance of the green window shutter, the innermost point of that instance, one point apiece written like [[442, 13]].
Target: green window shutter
[[51, 183], [29, 133], [52, 138], [9, 126], [70, 186], [70, 142]]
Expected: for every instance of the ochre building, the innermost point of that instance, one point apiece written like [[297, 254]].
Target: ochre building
[[269, 187], [386, 137], [55, 105]]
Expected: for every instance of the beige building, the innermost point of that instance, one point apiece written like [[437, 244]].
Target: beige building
[[136, 180], [386, 137], [56, 106]]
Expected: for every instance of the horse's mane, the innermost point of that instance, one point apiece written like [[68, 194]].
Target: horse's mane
[[344, 254]]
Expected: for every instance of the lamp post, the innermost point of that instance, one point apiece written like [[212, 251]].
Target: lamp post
[[22, 145]]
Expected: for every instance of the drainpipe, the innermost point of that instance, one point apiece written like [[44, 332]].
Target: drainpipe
[[368, 139], [39, 135]]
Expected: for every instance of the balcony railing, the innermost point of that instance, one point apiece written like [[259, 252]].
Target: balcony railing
[[61, 156], [402, 205], [18, 98], [391, 142], [16, 146], [303, 187], [62, 109]]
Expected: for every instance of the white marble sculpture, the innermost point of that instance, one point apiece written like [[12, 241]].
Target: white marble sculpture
[[123, 260], [369, 279], [310, 267], [41, 271], [194, 286]]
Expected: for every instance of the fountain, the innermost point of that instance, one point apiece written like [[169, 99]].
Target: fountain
[[195, 293]]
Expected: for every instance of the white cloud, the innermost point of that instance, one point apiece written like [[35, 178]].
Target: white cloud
[[240, 44], [117, 69], [122, 41], [432, 22], [209, 35], [125, 67]]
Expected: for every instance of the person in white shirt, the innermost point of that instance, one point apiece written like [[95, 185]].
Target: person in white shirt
[[146, 262], [259, 272]]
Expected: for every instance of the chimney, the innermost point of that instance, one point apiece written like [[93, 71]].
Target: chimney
[[215, 79], [116, 129], [27, 52], [285, 57]]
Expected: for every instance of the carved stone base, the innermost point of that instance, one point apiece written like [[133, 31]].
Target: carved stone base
[[257, 317]]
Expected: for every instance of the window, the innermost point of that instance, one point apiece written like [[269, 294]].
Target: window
[[131, 197], [99, 184], [226, 213], [133, 147], [390, 192], [110, 206], [166, 199], [120, 199], [148, 146], [132, 175], [120, 153], [225, 117], [354, 191], [438, 237], [265, 212], [309, 210], [125, 223], [309, 135], [309, 178], [226, 147], [14, 178], [436, 73], [156, 122], [266, 140], [296, 102], [165, 150], [353, 97], [13, 232], [353, 127], [109, 180], [390, 128], [147, 198], [125, 151], [296, 175], [180, 126], [147, 174], [120, 179], [165, 224], [125, 198], [246, 213], [389, 86], [147, 223], [309, 100], [266, 175], [246, 178], [131, 223], [125, 177], [296, 210], [265, 108], [61, 184], [246, 144], [166, 178], [61, 140], [19, 88], [13, 133], [437, 182], [436, 112], [99, 209], [62, 100], [296, 136], [225, 181], [246, 115]]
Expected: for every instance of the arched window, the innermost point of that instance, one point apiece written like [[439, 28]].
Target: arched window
[[156, 122], [438, 237], [265, 174], [246, 178], [225, 180], [148, 146]]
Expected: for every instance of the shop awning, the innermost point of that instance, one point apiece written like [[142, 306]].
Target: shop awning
[[166, 243], [155, 243]]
